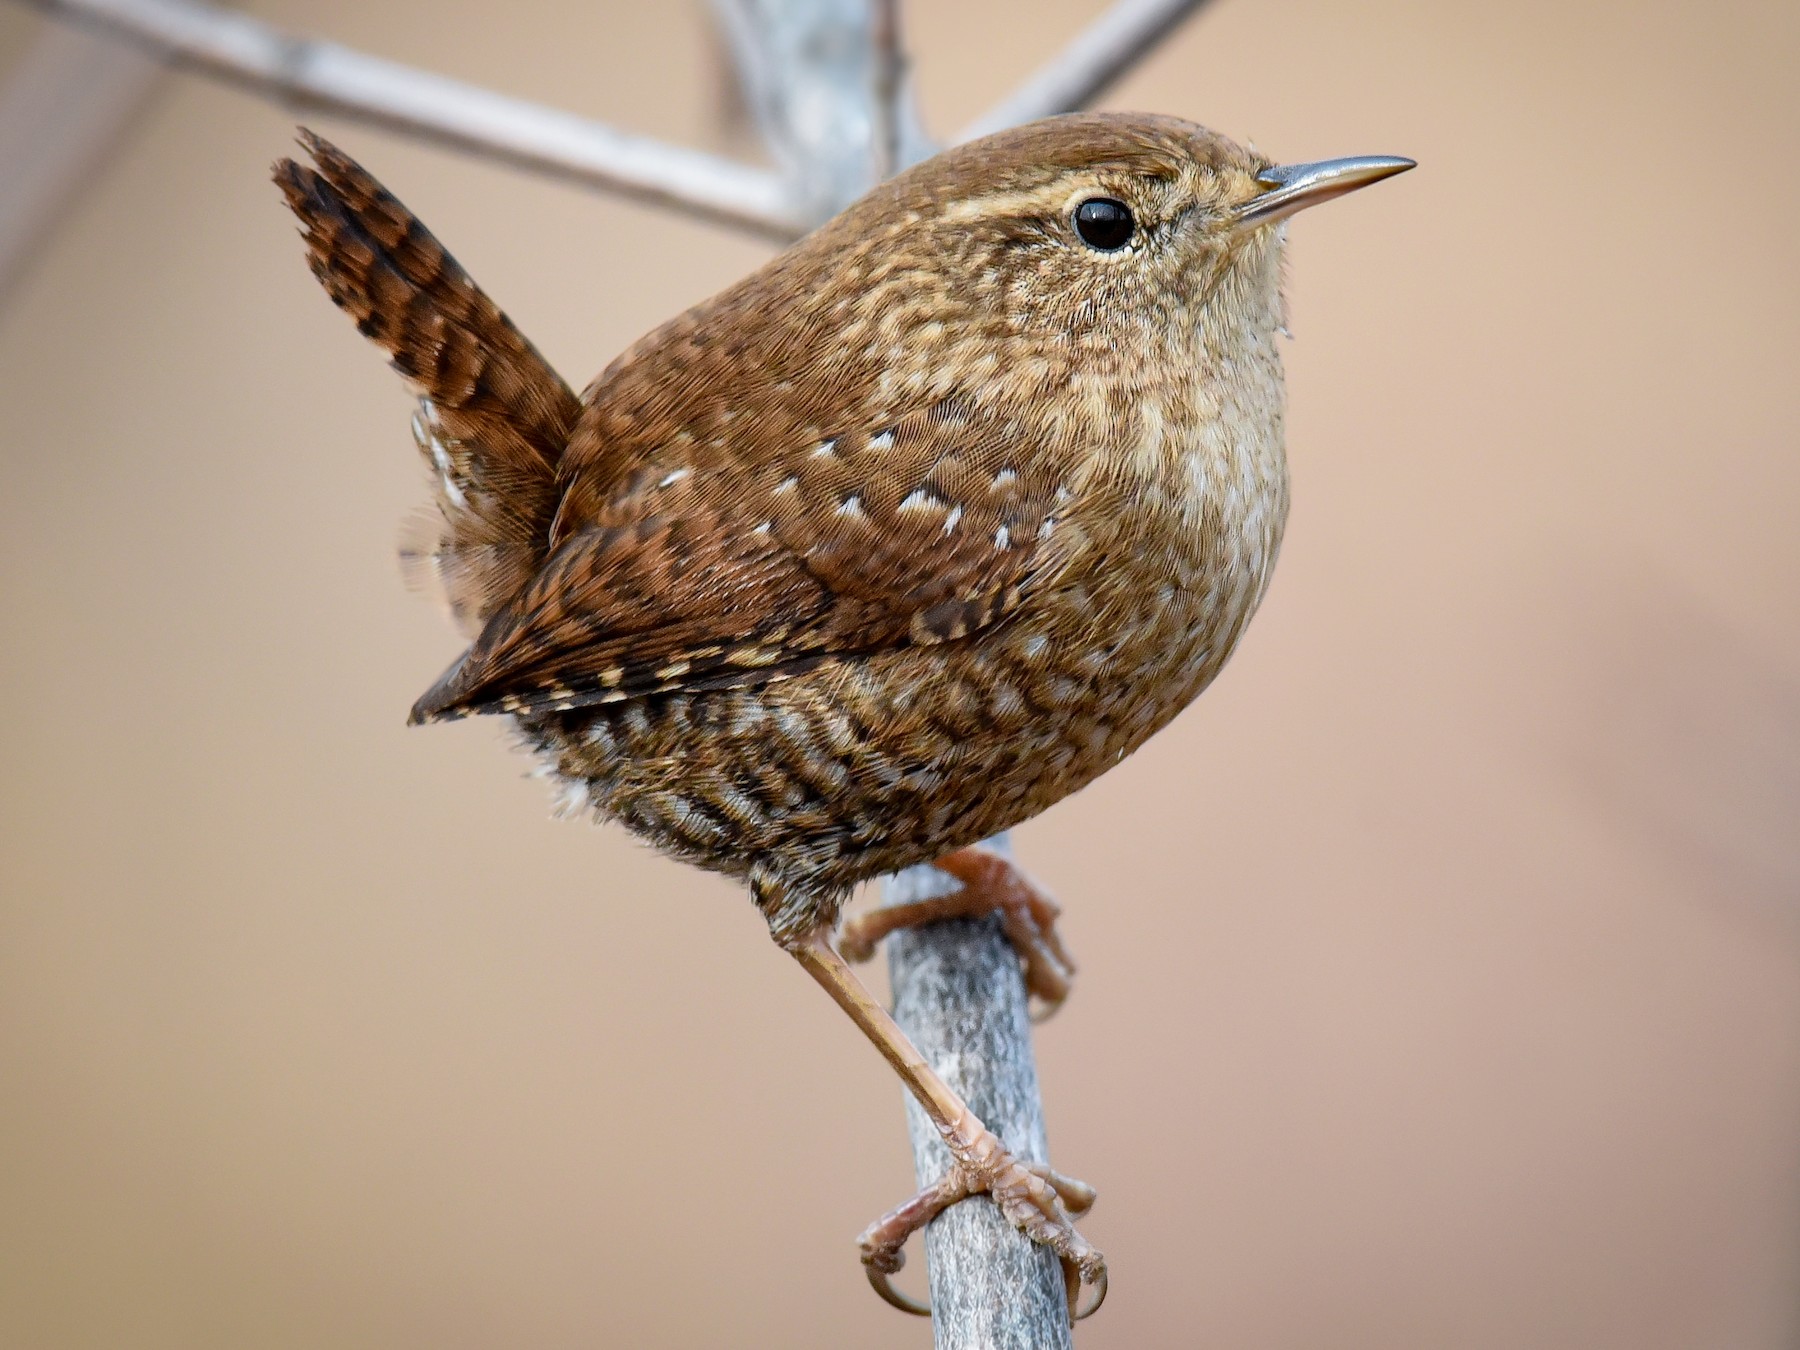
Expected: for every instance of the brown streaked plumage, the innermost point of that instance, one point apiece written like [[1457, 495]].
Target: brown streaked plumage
[[882, 550]]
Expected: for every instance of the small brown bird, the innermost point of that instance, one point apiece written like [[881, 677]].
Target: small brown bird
[[906, 536]]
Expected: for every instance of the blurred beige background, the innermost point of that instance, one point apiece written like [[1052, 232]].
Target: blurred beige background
[[1440, 969]]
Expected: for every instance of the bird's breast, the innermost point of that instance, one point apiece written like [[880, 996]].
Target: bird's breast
[[1181, 537]]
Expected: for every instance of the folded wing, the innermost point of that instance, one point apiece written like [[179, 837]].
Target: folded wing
[[733, 570]]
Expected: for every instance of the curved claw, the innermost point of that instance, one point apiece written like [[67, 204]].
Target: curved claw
[[1094, 1307], [883, 1242], [906, 1303]]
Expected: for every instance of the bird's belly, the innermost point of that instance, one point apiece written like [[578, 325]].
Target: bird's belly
[[861, 767]]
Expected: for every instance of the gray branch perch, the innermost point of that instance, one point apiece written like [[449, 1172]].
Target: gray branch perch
[[826, 81], [959, 994]]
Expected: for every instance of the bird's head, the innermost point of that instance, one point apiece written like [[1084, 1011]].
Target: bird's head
[[1105, 230]]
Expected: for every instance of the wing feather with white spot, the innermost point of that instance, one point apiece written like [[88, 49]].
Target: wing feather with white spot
[[730, 573]]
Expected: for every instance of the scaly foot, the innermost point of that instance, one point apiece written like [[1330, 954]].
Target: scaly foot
[[1035, 1199], [991, 882]]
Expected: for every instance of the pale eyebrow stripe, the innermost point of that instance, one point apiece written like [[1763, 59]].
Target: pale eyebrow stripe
[[1047, 200]]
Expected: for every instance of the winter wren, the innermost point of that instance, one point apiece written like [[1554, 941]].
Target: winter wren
[[881, 551]]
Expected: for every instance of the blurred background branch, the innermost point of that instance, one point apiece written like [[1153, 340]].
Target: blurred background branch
[[1097, 58], [68, 102], [307, 73]]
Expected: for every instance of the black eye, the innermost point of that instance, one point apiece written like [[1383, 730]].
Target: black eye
[[1104, 223]]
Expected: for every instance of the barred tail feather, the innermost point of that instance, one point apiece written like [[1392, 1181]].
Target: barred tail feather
[[493, 416]]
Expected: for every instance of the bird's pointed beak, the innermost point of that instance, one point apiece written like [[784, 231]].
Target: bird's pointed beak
[[1294, 187]]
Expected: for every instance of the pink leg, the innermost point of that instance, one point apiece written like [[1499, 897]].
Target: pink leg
[[1034, 1199]]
